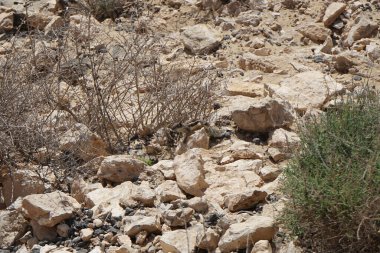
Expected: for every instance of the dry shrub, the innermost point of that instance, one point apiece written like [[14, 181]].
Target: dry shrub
[[115, 85]]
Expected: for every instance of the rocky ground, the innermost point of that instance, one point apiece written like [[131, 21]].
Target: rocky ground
[[278, 62]]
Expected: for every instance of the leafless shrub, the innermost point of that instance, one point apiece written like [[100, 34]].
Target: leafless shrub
[[115, 85]]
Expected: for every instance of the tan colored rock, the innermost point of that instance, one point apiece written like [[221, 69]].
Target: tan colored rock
[[21, 183], [199, 205], [327, 46], [63, 230], [80, 188], [169, 191], [262, 246], [51, 208], [262, 52], [244, 200], [6, 21], [261, 115], [178, 217], [332, 13], [189, 172], [166, 167], [250, 61], [136, 224], [180, 240], [269, 173], [12, 226], [143, 194], [199, 139], [80, 141], [315, 32], [124, 240], [208, 240], [43, 233], [311, 89], [248, 89], [120, 168], [200, 39], [86, 234], [284, 139], [364, 28], [277, 155], [245, 234]]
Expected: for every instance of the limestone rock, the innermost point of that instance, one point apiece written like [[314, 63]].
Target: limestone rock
[[169, 191], [249, 18], [136, 224], [269, 173], [51, 208], [250, 61], [12, 226], [315, 32], [21, 183], [261, 115], [63, 230], [86, 234], [201, 39], [262, 246], [179, 241], [311, 89], [199, 139], [241, 235], [248, 89], [80, 141], [244, 200], [179, 217], [208, 240], [189, 173], [364, 28], [332, 13], [284, 139], [166, 167], [120, 168]]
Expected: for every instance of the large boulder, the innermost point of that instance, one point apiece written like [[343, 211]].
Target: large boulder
[[12, 226], [189, 173], [49, 209], [201, 39], [311, 89], [120, 168], [364, 28], [83, 143], [332, 13], [261, 115], [245, 234]]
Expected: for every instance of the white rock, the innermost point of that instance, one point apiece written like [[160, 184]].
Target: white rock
[[262, 246], [244, 200], [311, 89], [245, 234], [261, 115], [12, 226], [51, 208], [120, 168], [332, 13], [189, 172], [86, 234], [201, 39], [179, 217], [169, 191], [136, 224], [181, 240]]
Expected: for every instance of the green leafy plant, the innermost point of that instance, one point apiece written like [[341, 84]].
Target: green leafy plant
[[334, 180]]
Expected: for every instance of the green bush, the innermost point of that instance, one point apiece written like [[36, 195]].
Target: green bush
[[333, 183]]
